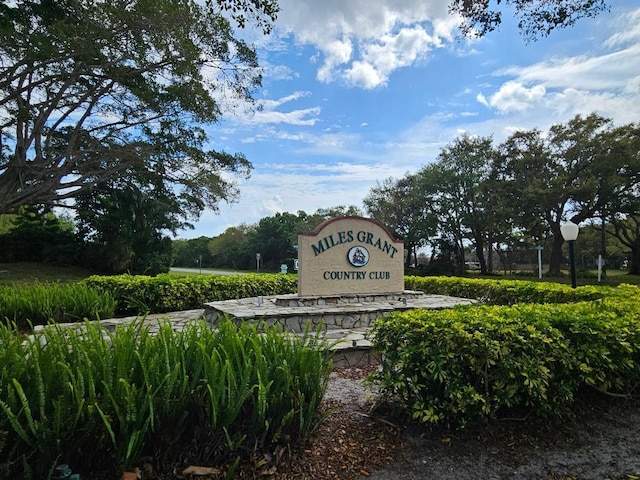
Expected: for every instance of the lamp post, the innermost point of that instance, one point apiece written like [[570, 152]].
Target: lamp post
[[569, 232]]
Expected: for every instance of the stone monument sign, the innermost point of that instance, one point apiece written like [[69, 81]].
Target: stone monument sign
[[350, 255]]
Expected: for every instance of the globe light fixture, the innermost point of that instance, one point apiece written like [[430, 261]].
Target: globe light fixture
[[569, 232]]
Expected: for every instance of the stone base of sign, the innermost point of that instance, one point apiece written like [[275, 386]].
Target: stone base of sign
[[297, 314], [343, 319], [293, 300]]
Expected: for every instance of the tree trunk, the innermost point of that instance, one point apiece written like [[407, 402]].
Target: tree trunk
[[490, 255], [411, 255], [480, 254], [556, 255], [634, 264], [460, 267]]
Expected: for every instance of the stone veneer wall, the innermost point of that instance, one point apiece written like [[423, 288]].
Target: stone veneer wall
[[294, 300]]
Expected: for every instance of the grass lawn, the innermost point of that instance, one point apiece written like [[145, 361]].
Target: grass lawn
[[25, 272], [612, 278]]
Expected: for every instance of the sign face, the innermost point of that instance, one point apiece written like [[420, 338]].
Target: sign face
[[348, 255]]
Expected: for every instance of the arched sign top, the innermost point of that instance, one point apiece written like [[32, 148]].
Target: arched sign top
[[329, 221]]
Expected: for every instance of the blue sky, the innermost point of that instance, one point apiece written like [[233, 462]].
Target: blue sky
[[356, 91]]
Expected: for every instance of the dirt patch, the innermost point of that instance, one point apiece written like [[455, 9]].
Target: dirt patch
[[598, 440]]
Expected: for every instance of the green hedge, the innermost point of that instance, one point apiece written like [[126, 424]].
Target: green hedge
[[166, 293], [506, 292], [73, 396], [104, 296], [454, 366], [41, 303]]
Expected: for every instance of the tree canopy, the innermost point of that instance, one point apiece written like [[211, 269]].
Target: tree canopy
[[515, 195], [536, 18], [95, 90], [404, 209]]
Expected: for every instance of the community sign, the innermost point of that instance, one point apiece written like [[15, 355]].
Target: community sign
[[350, 255]]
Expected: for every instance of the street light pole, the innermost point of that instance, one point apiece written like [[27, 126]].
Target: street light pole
[[572, 261], [569, 232]]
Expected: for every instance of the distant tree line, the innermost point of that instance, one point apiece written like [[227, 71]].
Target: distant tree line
[[125, 233], [274, 238]]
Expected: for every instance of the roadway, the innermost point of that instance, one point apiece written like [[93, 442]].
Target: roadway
[[205, 271]]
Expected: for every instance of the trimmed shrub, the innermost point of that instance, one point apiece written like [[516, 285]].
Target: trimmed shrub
[[166, 293], [506, 292], [471, 363]]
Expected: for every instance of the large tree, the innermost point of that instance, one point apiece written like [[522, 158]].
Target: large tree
[[91, 90], [464, 167], [126, 225], [580, 170], [231, 248], [536, 18], [626, 229], [274, 238]]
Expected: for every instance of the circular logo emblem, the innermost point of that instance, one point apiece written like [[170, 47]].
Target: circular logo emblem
[[358, 256]]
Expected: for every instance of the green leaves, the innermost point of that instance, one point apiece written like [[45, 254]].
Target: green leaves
[[167, 293], [470, 363], [506, 292], [40, 303], [536, 19], [87, 396]]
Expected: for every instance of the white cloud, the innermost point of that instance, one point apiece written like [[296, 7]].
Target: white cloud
[[629, 30], [365, 75], [364, 41], [381, 58], [306, 116], [514, 97], [278, 72], [610, 70], [337, 52], [633, 85], [271, 104], [268, 114], [606, 80]]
